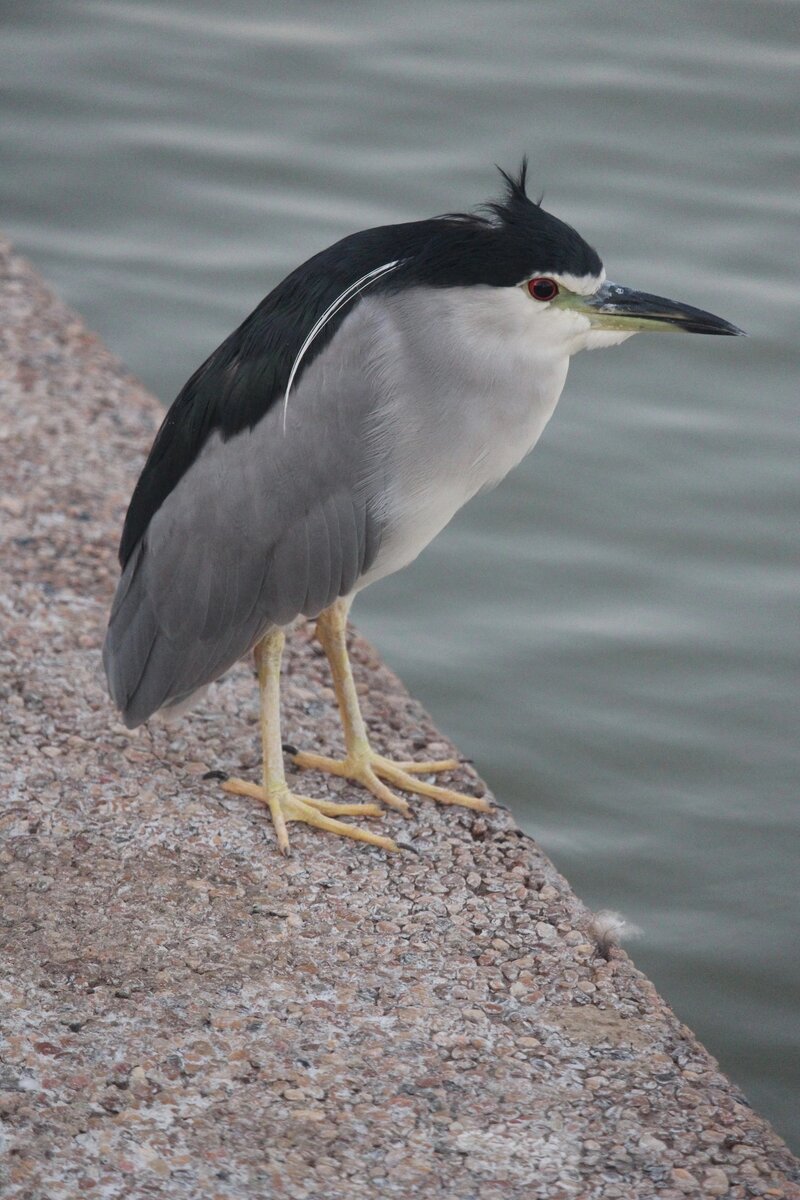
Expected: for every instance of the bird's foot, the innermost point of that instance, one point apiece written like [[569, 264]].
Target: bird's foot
[[287, 806], [371, 769]]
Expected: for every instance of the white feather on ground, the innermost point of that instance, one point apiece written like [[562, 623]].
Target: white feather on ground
[[609, 929]]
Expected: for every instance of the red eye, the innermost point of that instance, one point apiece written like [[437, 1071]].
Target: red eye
[[542, 288]]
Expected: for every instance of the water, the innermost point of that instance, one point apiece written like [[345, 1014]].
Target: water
[[613, 633]]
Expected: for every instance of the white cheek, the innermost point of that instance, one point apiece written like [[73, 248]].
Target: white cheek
[[566, 332], [598, 339], [559, 332]]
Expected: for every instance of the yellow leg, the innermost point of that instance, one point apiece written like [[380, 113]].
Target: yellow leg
[[361, 763], [283, 804]]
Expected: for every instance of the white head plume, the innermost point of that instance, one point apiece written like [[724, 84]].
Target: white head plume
[[343, 298]]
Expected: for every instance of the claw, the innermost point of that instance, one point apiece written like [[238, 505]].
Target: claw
[[429, 768], [313, 812], [369, 769]]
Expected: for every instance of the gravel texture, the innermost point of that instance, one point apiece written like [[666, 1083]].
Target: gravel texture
[[188, 1015]]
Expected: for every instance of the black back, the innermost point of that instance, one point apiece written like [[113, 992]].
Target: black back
[[238, 384]]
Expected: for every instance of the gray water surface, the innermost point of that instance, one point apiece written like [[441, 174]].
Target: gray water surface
[[613, 634]]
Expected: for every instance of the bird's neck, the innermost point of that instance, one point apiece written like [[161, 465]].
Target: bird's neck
[[476, 386]]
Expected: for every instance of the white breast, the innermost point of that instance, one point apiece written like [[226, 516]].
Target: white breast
[[467, 395]]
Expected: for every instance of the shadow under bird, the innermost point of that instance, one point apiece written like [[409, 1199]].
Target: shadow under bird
[[323, 445]]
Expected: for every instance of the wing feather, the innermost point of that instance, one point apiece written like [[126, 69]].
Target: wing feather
[[263, 527]]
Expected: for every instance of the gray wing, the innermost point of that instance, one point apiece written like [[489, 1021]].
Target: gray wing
[[263, 527]]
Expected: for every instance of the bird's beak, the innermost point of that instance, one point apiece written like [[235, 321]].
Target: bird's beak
[[627, 311]]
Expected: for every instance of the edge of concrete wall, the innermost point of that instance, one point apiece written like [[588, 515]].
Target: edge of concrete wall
[[187, 1014]]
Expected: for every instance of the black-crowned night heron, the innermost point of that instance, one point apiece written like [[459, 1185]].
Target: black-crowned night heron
[[329, 439]]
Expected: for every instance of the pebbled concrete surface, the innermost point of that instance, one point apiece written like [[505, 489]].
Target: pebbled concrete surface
[[185, 1014]]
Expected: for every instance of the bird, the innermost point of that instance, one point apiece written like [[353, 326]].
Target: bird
[[383, 384]]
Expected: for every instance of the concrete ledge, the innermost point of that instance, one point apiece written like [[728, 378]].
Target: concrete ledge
[[188, 1015]]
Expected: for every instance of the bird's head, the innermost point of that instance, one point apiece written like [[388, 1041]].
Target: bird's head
[[552, 281], [511, 275]]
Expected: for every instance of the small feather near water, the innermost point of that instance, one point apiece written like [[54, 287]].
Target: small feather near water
[[609, 929]]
